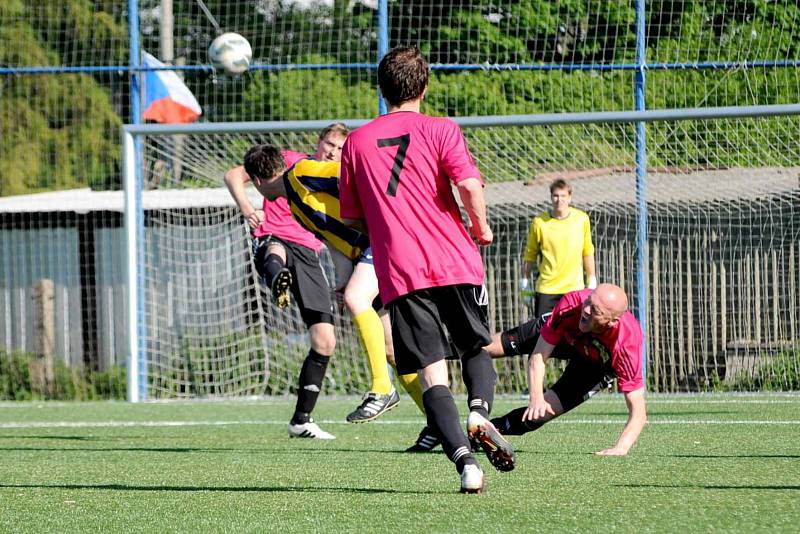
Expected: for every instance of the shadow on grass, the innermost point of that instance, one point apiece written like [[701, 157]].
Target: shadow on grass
[[122, 449], [657, 413], [305, 450], [357, 450], [787, 456], [714, 486], [222, 489], [58, 438], [541, 452], [679, 413]]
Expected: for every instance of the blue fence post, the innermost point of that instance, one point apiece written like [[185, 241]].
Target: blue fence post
[[383, 43], [383, 48], [134, 55], [641, 183]]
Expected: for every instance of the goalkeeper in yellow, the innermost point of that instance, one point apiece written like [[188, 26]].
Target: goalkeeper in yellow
[[560, 244], [312, 191]]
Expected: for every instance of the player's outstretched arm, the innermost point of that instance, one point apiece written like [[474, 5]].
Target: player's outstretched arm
[[471, 192], [637, 417], [538, 407], [235, 180]]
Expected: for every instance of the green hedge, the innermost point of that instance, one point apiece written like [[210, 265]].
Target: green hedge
[[779, 372], [18, 382]]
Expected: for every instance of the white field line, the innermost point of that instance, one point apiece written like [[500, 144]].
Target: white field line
[[134, 424], [701, 401], [615, 400], [605, 398]]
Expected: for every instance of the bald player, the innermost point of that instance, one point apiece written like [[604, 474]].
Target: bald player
[[600, 339]]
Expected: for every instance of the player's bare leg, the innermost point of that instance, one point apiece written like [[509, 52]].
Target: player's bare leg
[[361, 291]]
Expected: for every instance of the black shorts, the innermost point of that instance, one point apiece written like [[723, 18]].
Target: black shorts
[[581, 379], [310, 287], [545, 303], [522, 340], [419, 320]]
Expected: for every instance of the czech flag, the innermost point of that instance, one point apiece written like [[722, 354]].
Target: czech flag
[[166, 97]]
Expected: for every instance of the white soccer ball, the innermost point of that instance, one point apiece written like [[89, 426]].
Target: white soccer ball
[[230, 52]]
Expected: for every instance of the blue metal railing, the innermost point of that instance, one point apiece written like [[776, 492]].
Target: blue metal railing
[[641, 183], [566, 67]]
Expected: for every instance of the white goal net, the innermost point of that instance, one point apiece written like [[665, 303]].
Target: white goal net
[[721, 275]]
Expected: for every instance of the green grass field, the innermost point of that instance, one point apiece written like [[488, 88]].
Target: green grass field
[[724, 463]]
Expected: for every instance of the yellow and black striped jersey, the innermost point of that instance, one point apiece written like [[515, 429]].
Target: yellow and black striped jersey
[[312, 189]]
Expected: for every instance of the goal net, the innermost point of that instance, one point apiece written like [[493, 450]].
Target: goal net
[[721, 275]]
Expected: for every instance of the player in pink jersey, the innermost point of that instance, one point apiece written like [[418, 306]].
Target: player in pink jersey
[[396, 178], [273, 225], [594, 331], [287, 258]]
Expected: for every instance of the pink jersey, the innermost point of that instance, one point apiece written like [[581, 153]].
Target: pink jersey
[[396, 176], [278, 220], [622, 344]]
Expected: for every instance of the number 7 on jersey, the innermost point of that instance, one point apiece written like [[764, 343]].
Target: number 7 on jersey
[[402, 142]]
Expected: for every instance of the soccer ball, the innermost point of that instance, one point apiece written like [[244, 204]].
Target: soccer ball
[[231, 53]]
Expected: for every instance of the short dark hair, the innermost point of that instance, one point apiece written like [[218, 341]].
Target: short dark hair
[[403, 75], [264, 162], [337, 127], [560, 183]]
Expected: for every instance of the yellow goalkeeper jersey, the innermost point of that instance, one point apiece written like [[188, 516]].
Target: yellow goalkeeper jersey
[[312, 190], [559, 245]]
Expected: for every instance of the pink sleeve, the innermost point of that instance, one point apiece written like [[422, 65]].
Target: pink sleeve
[[458, 162], [627, 361], [290, 157], [629, 371], [349, 202], [553, 329]]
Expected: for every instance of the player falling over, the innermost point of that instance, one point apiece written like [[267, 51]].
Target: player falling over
[[600, 339]]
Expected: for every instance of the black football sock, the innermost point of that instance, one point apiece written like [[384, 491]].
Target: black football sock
[[479, 377], [511, 424], [310, 384], [273, 264], [442, 415]]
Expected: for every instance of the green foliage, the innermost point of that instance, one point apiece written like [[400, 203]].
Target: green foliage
[[110, 384], [249, 363], [17, 380], [208, 366], [59, 131], [286, 95], [11, 8], [775, 372], [55, 128]]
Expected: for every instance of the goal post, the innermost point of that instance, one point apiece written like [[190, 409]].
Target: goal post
[[133, 221], [199, 324]]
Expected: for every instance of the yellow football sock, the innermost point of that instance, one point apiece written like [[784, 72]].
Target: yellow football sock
[[411, 384], [370, 329]]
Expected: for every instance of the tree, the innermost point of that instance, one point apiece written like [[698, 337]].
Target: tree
[[58, 131]]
